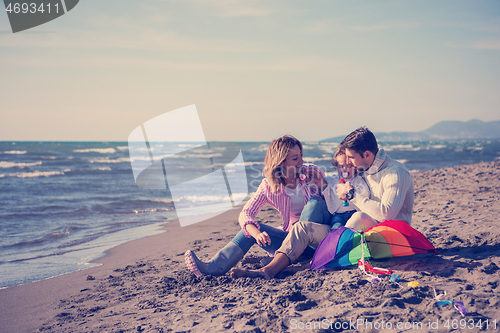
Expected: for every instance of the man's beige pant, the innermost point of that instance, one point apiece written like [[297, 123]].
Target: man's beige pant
[[304, 234]]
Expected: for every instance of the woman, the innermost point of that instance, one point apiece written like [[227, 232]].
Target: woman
[[281, 188]]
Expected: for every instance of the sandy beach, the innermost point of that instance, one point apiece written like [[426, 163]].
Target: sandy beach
[[144, 286]]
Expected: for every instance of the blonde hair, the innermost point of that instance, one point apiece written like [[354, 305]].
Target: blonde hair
[[340, 151], [276, 154]]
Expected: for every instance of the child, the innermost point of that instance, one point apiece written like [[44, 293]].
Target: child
[[340, 212]]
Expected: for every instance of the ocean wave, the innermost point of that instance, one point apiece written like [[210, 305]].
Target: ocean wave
[[122, 147], [173, 155], [103, 169], [36, 174], [402, 161], [185, 145], [232, 165], [218, 148], [328, 147], [208, 198], [18, 165], [15, 152], [108, 160], [190, 156], [403, 147], [261, 148], [96, 150], [51, 236], [151, 210], [314, 159]]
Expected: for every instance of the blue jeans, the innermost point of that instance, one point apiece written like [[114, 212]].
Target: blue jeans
[[276, 235], [340, 219], [316, 211]]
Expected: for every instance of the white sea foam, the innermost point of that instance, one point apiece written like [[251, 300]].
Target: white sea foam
[[218, 148], [17, 165], [328, 147], [305, 147], [208, 198], [185, 145], [195, 155], [36, 174], [402, 147], [122, 147], [108, 160], [175, 155], [200, 198], [96, 150], [15, 152], [314, 159], [260, 148], [103, 169], [437, 146], [232, 165], [402, 161]]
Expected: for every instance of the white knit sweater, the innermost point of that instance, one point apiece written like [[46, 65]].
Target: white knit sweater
[[391, 190]]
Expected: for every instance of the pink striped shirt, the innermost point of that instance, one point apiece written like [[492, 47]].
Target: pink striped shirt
[[278, 200]]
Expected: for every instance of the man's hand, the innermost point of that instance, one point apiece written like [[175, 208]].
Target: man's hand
[[342, 190]]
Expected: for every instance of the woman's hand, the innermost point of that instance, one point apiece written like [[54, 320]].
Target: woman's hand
[[263, 239]]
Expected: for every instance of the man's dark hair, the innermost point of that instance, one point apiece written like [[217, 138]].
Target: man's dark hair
[[360, 141]]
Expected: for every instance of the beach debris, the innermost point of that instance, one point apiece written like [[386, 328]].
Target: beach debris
[[369, 268], [90, 278], [413, 284], [365, 267], [394, 278], [457, 305]]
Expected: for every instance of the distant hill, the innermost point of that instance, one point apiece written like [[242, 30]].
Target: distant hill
[[444, 130]]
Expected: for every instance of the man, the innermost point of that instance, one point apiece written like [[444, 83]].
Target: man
[[391, 198]]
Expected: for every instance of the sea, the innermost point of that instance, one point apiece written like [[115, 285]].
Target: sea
[[63, 204]]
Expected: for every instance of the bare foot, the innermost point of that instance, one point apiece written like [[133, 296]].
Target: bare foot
[[253, 273], [295, 269]]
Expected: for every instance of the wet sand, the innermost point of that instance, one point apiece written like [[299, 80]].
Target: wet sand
[[144, 286]]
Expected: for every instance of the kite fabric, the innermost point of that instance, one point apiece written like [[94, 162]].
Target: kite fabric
[[342, 247]]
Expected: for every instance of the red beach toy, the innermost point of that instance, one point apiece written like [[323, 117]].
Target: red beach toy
[[346, 202]]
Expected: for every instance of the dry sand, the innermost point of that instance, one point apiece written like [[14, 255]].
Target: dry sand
[[143, 286]]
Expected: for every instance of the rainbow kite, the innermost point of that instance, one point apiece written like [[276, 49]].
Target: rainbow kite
[[345, 246]]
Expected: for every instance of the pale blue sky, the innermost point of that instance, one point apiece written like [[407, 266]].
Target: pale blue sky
[[255, 69]]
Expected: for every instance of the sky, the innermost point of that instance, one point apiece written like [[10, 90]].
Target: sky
[[255, 69]]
